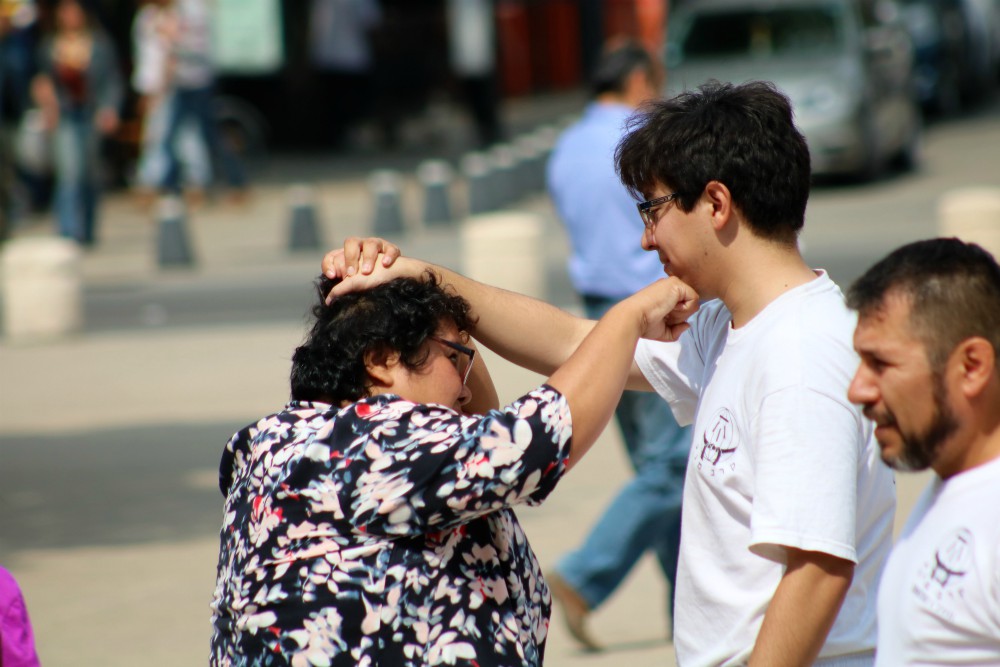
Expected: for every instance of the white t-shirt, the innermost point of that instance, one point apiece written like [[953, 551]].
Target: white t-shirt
[[939, 602], [780, 458], [150, 51]]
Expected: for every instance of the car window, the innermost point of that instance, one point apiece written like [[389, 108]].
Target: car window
[[765, 33]]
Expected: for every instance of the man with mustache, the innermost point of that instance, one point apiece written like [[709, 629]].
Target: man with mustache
[[928, 334]]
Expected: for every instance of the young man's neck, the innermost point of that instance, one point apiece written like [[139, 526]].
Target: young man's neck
[[759, 272]]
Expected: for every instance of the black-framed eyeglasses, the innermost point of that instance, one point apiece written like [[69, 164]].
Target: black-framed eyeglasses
[[647, 209], [464, 353]]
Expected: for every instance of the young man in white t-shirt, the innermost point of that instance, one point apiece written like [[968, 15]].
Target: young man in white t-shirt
[[928, 334], [787, 510]]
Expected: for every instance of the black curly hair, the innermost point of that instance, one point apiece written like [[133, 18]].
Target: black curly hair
[[398, 316]]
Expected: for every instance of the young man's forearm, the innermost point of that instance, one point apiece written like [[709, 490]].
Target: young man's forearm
[[803, 609]]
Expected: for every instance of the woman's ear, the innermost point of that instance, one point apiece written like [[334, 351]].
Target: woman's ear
[[381, 368]]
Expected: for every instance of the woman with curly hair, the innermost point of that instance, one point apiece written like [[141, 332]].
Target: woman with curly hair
[[369, 521]]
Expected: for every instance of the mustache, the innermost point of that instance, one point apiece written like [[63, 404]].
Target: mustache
[[880, 418]]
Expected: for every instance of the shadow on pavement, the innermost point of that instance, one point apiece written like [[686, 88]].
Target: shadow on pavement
[[110, 487]]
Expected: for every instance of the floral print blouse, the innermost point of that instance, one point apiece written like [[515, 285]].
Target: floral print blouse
[[381, 534]]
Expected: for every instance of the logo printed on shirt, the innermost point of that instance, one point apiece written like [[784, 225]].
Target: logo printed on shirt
[[941, 579], [718, 445]]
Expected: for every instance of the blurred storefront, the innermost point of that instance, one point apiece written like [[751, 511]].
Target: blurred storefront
[[269, 76]]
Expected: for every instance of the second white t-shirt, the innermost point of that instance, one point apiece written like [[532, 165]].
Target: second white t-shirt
[[939, 602]]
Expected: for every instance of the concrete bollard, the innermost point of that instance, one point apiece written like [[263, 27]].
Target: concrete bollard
[[973, 215], [42, 288], [435, 177], [303, 232], [172, 247], [478, 172], [546, 138], [386, 195], [505, 185], [505, 249], [531, 165]]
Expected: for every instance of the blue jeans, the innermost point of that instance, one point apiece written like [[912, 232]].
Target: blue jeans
[[646, 513], [17, 67], [196, 104], [76, 146]]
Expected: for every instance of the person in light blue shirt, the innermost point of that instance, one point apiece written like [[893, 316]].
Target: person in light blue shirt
[[607, 264]]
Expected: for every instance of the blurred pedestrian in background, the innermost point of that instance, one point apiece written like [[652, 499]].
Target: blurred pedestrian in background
[[191, 80], [18, 37], [17, 640], [605, 266], [79, 91], [472, 55], [150, 79], [928, 334], [20, 188], [340, 43]]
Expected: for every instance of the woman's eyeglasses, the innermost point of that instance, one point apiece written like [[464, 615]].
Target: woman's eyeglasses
[[463, 361]]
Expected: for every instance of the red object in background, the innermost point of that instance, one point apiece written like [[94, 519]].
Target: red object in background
[[651, 16], [619, 18], [562, 43], [514, 43], [644, 20]]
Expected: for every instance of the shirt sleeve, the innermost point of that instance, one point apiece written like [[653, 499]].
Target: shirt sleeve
[[426, 467], [806, 474], [672, 369], [17, 641]]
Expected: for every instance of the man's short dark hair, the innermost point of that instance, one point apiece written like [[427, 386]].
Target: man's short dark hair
[[398, 316], [617, 63], [740, 135], [952, 287]]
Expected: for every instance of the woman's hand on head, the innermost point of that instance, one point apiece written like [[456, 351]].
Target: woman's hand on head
[[359, 256], [379, 274], [665, 307]]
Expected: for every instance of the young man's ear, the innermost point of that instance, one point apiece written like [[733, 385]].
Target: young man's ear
[[380, 366], [718, 195]]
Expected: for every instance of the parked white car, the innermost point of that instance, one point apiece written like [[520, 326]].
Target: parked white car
[[847, 67]]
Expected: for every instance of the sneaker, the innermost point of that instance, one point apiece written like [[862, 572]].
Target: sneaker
[[575, 610]]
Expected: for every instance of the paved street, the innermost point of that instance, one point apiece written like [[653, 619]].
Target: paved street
[[109, 440]]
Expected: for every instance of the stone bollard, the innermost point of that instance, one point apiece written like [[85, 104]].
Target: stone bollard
[[172, 247], [505, 185], [546, 138], [505, 249], [973, 215], [531, 164], [478, 174], [435, 177], [303, 232], [386, 195], [42, 288]]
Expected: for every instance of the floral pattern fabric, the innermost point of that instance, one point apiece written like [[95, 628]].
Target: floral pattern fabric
[[381, 534]]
